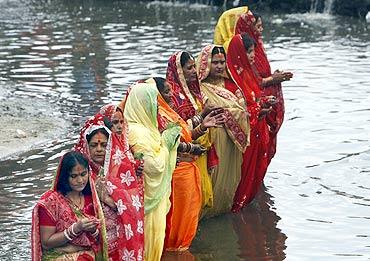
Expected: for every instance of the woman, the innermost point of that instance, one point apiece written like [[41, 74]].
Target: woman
[[240, 58], [158, 151], [186, 196], [120, 189], [66, 220], [242, 20], [231, 140], [188, 103], [271, 82]]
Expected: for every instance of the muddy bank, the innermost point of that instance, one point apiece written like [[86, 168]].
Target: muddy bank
[[27, 122]]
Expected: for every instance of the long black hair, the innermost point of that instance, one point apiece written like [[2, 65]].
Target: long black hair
[[217, 50], [247, 41], [185, 57], [69, 161]]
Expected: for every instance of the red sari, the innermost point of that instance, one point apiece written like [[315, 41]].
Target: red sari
[[124, 228], [57, 207], [255, 158], [275, 118]]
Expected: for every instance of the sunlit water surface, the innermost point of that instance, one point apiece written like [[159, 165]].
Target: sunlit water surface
[[78, 55]]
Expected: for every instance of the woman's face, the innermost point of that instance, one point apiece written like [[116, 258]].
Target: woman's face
[[78, 178], [189, 70], [97, 146], [167, 93], [250, 54], [217, 65], [258, 26], [117, 121]]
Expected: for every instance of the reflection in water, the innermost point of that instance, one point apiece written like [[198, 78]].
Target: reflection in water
[[258, 235], [72, 57], [251, 234]]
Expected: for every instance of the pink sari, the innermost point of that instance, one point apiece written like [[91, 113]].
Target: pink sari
[[124, 228], [58, 208]]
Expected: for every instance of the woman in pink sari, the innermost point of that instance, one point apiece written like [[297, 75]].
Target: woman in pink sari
[[251, 24], [119, 188], [66, 219], [239, 61]]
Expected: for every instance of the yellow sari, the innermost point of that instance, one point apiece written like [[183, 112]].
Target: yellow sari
[[225, 28], [159, 154], [230, 141]]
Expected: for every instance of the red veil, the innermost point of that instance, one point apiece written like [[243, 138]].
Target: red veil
[[255, 160], [275, 118], [184, 103]]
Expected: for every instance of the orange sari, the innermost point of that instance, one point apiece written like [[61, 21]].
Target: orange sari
[[186, 196]]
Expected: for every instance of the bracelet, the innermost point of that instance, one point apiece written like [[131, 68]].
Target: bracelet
[[65, 232], [74, 234], [199, 130], [96, 233], [197, 119]]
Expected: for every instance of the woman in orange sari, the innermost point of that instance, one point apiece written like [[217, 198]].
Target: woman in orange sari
[[239, 61], [182, 220], [119, 188], [66, 220], [233, 138]]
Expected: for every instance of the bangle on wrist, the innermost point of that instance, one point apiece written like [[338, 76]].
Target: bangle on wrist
[[74, 234], [66, 235], [96, 233]]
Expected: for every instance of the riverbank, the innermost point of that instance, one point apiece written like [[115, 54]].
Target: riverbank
[[26, 123]]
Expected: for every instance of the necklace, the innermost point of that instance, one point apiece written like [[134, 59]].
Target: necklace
[[76, 206]]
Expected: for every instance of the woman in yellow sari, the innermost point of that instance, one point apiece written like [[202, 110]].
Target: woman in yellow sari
[[229, 141], [158, 150]]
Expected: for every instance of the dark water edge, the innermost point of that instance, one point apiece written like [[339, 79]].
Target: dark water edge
[[356, 8]]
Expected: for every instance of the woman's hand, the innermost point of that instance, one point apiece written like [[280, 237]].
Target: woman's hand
[[103, 194], [197, 149], [86, 224], [264, 112], [139, 166], [268, 101], [281, 76], [214, 119]]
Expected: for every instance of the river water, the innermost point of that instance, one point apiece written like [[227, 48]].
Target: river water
[[62, 60]]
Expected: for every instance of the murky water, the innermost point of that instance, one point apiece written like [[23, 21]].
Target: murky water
[[75, 56]]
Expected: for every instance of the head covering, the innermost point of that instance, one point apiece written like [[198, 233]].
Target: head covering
[[244, 76], [183, 95], [225, 28], [158, 150], [59, 209], [108, 111], [93, 123], [245, 24]]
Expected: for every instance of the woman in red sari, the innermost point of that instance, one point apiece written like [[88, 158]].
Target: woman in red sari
[[251, 24], [239, 62], [120, 189], [188, 102], [66, 220]]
